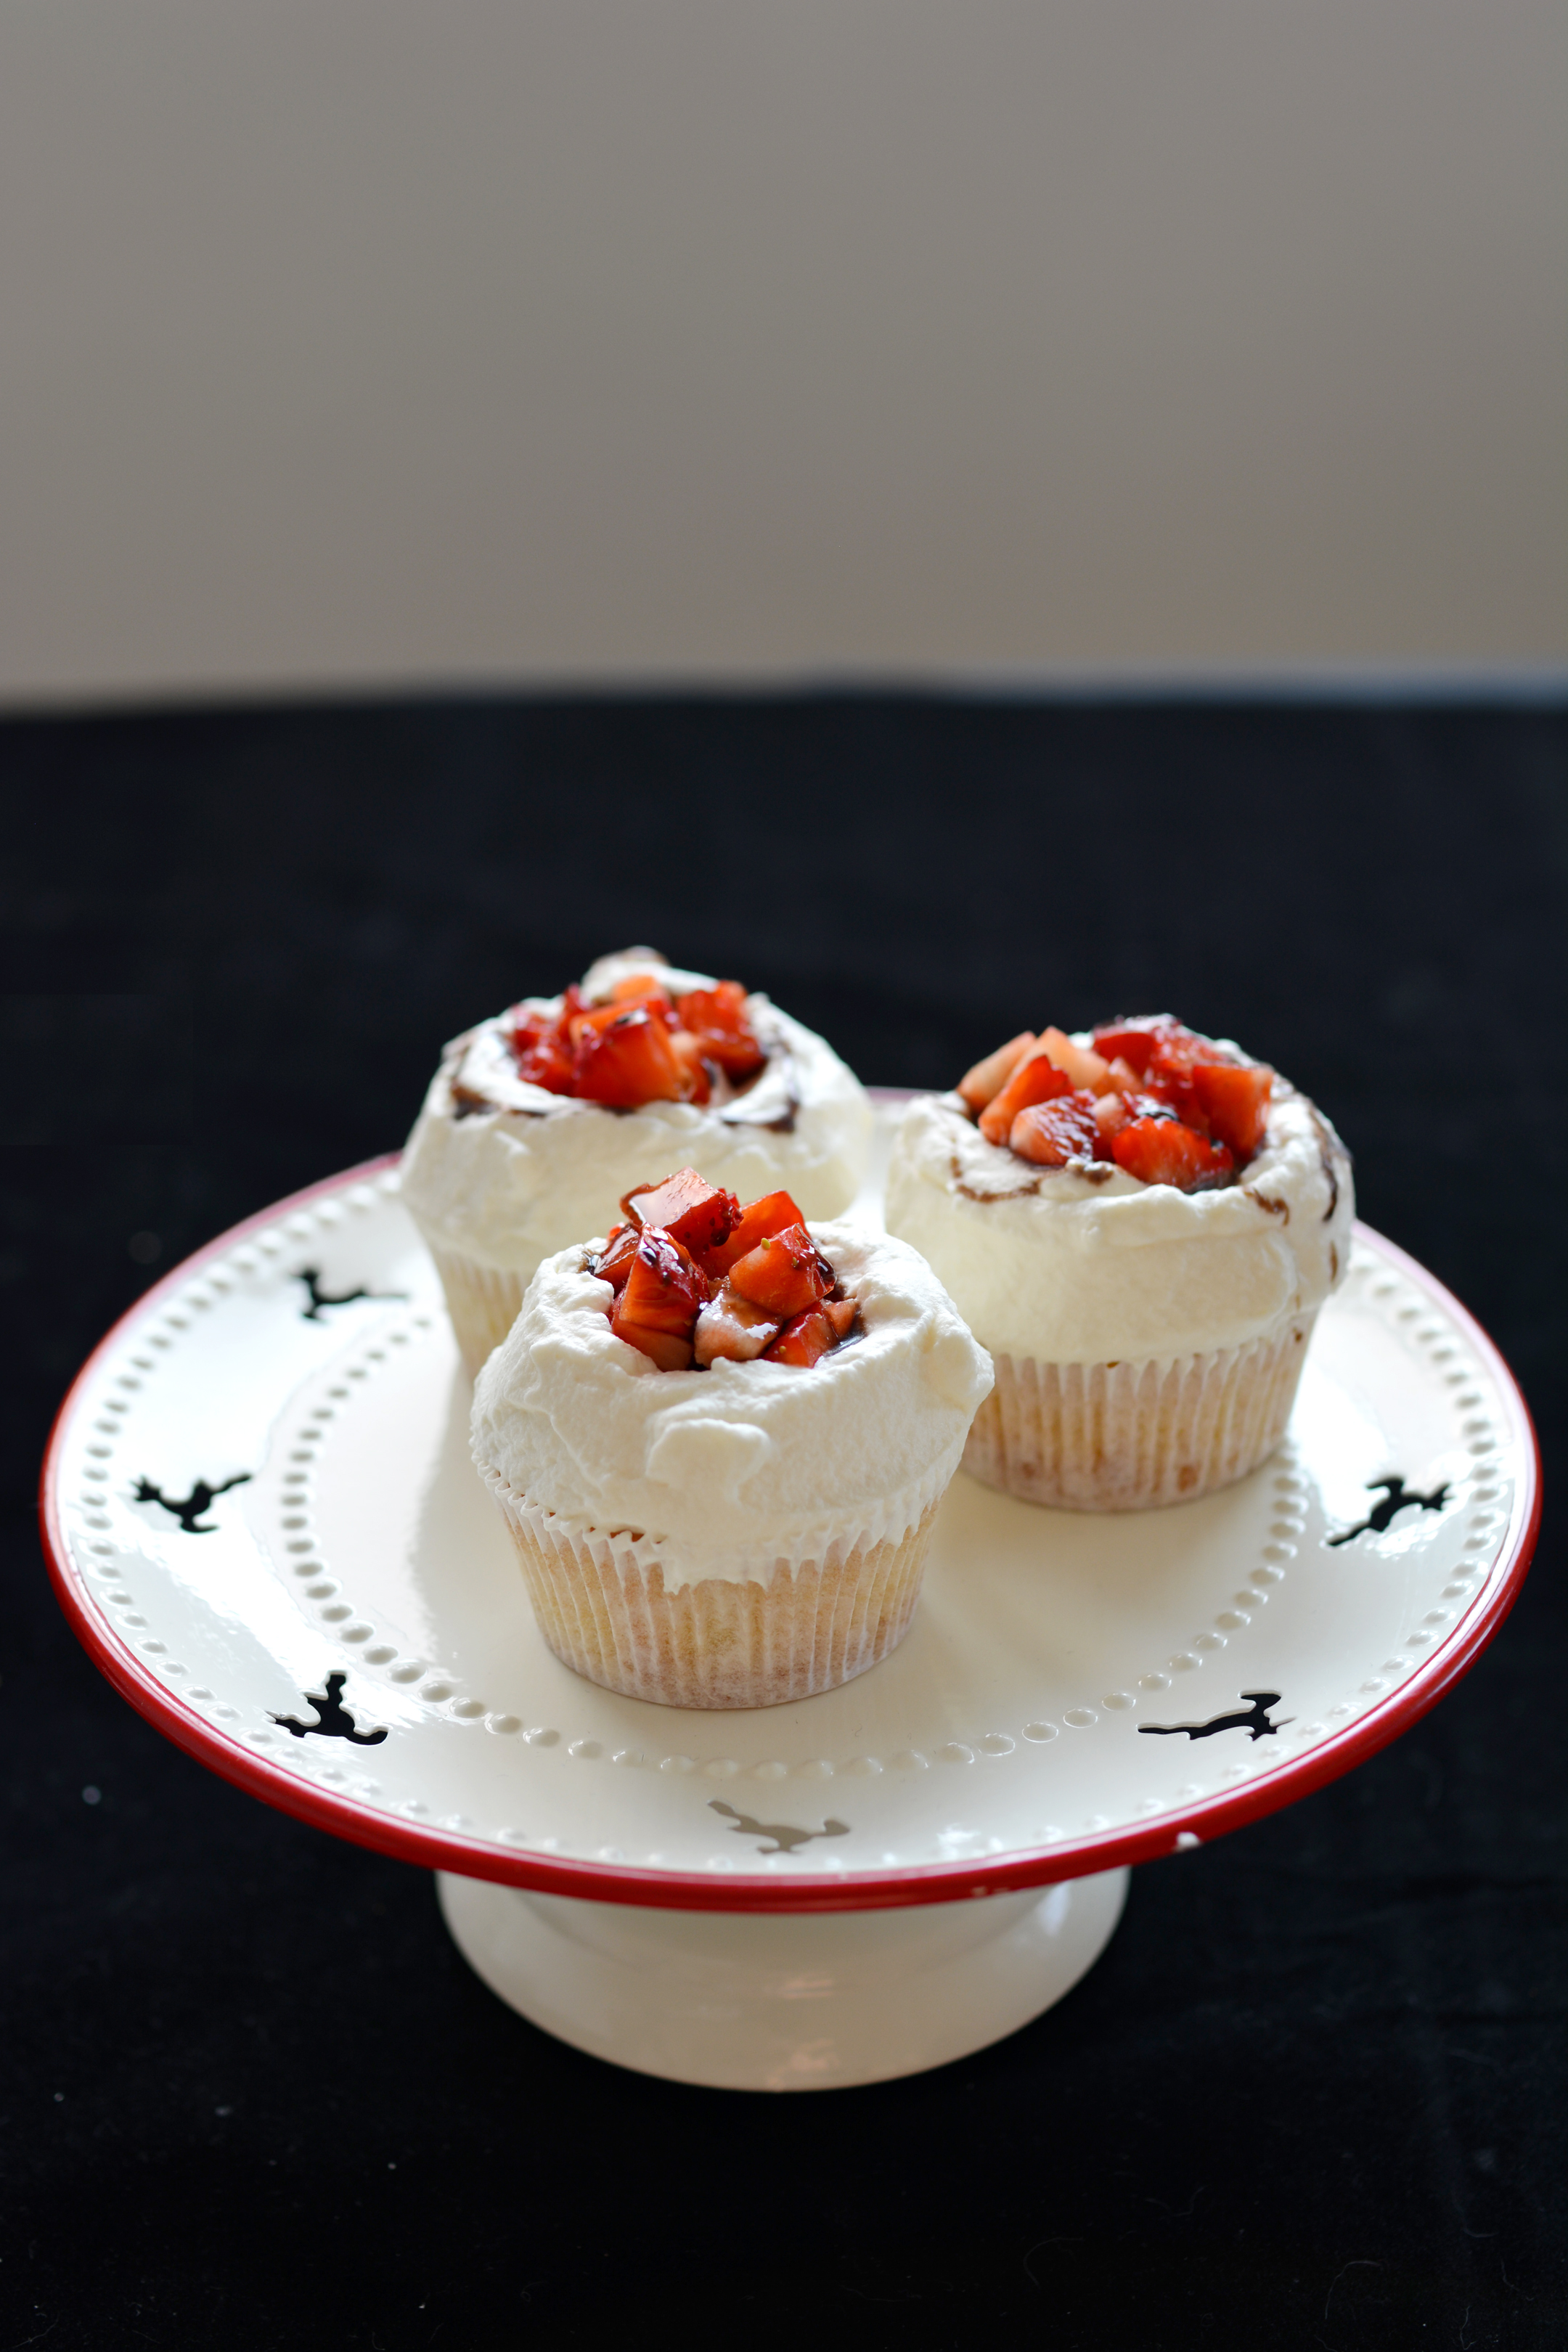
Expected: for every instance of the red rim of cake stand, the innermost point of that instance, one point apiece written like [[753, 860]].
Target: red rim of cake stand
[[437, 1849]]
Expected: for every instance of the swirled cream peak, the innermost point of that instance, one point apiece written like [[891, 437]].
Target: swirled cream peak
[[1090, 1266], [729, 1470], [505, 1172]]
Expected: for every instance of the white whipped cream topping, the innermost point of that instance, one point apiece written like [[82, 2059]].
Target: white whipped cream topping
[[728, 1471], [506, 1186], [1072, 1269]]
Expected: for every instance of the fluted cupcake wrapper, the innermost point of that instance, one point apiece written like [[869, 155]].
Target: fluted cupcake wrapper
[[483, 1302], [807, 1626], [1130, 1437]]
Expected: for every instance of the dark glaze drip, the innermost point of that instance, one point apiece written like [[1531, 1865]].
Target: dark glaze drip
[[1328, 1145], [780, 1059], [1275, 1208], [473, 1102], [782, 1125], [1333, 1262], [1019, 1193], [1253, 1719]]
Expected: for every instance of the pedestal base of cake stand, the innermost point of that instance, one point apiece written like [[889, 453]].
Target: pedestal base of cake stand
[[798, 2001]]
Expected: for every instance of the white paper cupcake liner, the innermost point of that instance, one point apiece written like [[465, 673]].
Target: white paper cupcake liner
[[483, 1302], [806, 1624], [1131, 1436]]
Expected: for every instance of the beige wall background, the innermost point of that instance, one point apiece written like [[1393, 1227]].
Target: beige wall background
[[358, 340]]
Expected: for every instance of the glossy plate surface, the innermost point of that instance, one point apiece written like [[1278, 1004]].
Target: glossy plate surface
[[260, 1480]]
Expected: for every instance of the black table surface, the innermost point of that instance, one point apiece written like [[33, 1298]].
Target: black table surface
[[249, 2094]]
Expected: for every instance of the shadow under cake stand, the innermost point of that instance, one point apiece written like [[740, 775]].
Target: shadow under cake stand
[[261, 1519]]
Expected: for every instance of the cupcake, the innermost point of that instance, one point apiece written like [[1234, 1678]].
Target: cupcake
[[538, 1120], [718, 1438], [1140, 1225]]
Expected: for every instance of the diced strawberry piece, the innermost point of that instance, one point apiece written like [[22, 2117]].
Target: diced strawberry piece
[[662, 1296], [1135, 1040], [1172, 1069], [543, 1049], [784, 1275], [1035, 1079], [642, 988], [1122, 1077], [699, 1215], [1052, 1133], [988, 1077], [548, 1064], [841, 1313], [1164, 1151], [614, 1262], [624, 1057], [731, 1326], [804, 1342], [1086, 1069], [1235, 1103], [771, 1214], [696, 1063], [718, 1019], [1111, 1116]]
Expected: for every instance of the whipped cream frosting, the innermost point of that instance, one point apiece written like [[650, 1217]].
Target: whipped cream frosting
[[725, 1472], [1085, 1265], [505, 1172]]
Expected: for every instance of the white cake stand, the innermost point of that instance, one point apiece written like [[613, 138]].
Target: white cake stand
[[262, 1522]]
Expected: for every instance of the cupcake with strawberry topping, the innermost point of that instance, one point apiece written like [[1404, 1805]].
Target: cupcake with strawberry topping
[[541, 1119], [1140, 1225], [718, 1438]]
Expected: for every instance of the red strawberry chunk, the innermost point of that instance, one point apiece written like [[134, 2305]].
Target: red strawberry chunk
[[783, 1275], [718, 1019], [1133, 1040], [805, 1340], [771, 1214], [1052, 1133], [548, 1064], [614, 1262], [986, 1081], [731, 1326], [699, 1069], [1035, 1079], [841, 1313], [1164, 1151], [624, 1057], [699, 1215], [642, 988], [1171, 1073], [1235, 1103], [660, 1300], [1111, 1116], [542, 1046]]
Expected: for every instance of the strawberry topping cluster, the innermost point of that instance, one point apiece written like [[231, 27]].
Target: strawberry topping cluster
[[1151, 1097], [644, 1046], [696, 1277]]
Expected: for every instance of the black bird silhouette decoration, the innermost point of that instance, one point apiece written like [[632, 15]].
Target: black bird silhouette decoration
[[311, 1276], [786, 1838], [333, 1720], [200, 1498], [1253, 1719], [1395, 1499]]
